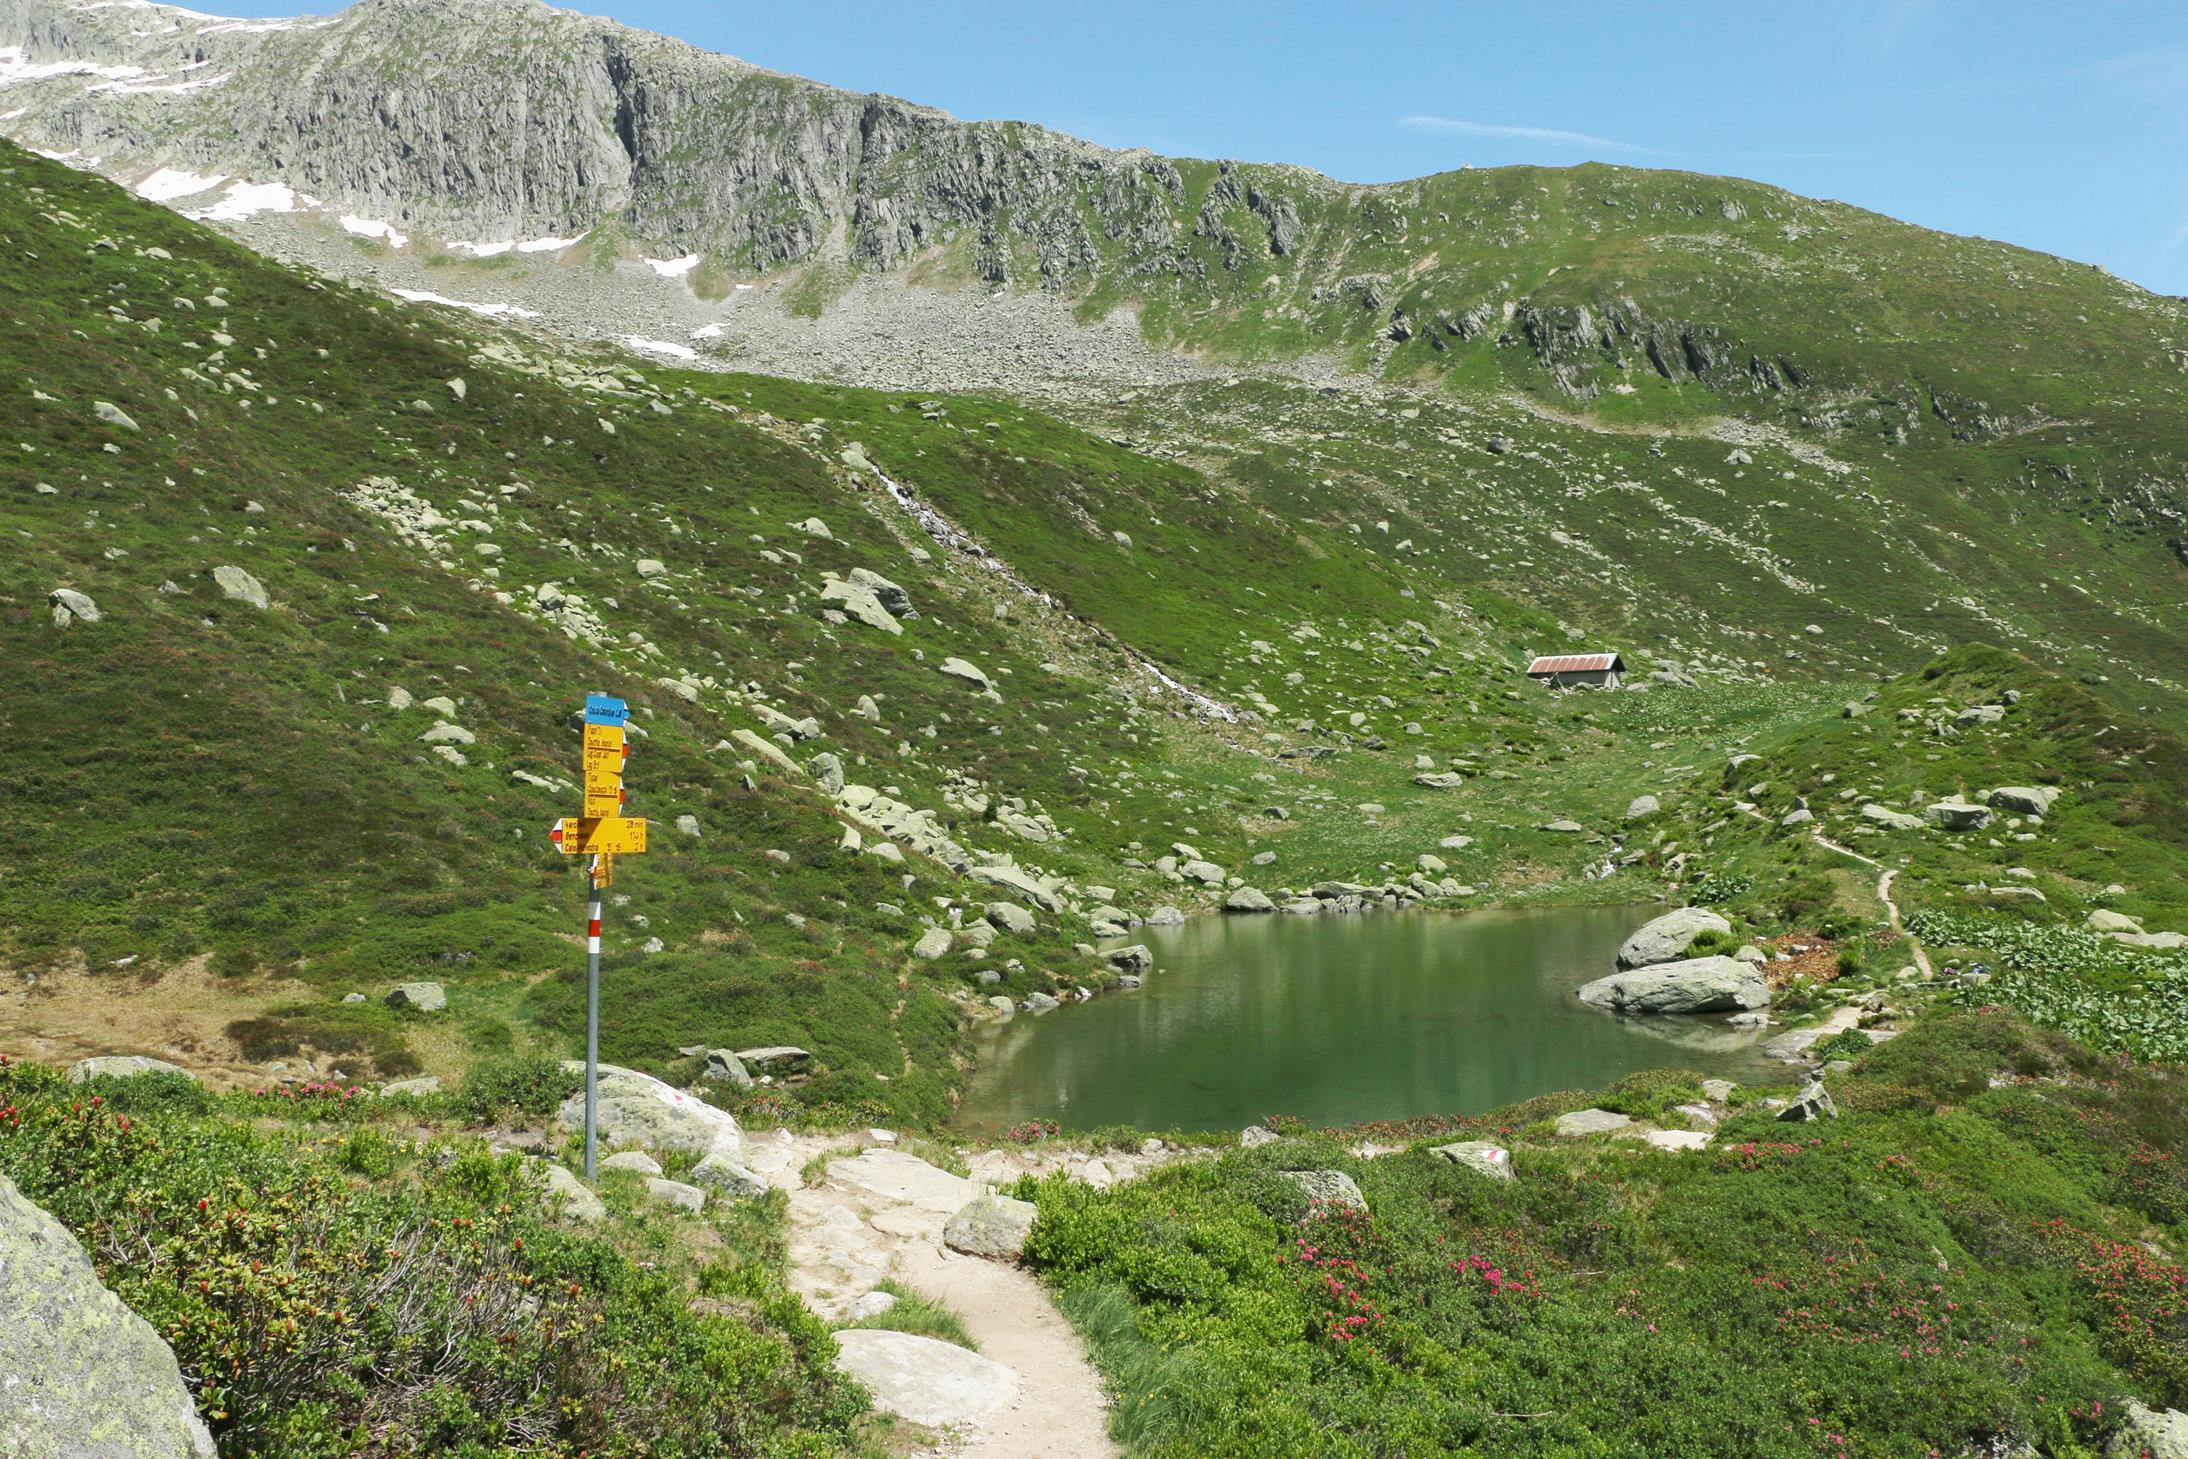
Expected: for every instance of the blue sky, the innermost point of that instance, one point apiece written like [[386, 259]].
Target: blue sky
[[2061, 126]]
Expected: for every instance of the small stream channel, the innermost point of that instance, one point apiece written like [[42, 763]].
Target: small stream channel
[[1341, 1019]]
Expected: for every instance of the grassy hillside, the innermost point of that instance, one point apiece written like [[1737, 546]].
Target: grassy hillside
[[239, 827]]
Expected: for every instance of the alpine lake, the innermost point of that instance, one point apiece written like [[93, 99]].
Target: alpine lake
[[1341, 1019]]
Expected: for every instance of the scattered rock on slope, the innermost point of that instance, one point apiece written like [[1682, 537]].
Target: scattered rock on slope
[[2024, 800], [1330, 1187], [240, 585], [1958, 815], [958, 668], [423, 997], [859, 603], [70, 606], [122, 1066]]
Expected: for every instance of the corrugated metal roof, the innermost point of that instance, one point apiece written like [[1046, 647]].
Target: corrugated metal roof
[[1575, 664]]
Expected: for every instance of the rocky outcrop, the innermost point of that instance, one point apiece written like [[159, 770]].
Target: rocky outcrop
[[639, 1110], [2150, 1433], [1693, 985], [81, 1376]]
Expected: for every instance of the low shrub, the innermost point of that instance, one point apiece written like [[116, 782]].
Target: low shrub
[[491, 1093], [1944, 1269], [371, 1295]]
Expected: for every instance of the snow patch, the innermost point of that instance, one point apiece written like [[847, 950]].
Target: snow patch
[[494, 250], [148, 5], [661, 347], [709, 331], [491, 311], [673, 268], [245, 27], [243, 199], [373, 228], [170, 183], [125, 88], [16, 65]]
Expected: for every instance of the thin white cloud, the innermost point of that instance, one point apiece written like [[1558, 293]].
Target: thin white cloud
[[2160, 72], [1553, 136]]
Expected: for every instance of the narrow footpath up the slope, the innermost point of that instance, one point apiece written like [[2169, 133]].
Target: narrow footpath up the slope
[[865, 1216]]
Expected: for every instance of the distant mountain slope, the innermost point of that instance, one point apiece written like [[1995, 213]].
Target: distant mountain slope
[[1654, 294]]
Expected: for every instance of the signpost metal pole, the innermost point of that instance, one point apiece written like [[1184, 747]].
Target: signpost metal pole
[[592, 1016], [599, 834]]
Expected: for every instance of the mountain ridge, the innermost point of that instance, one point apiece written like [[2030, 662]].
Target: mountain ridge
[[505, 116]]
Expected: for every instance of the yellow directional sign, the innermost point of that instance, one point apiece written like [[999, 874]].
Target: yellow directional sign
[[603, 770], [579, 837], [603, 868]]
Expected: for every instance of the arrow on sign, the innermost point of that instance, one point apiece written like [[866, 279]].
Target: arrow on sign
[[590, 835]]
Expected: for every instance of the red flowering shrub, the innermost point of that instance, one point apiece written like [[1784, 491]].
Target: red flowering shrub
[[2141, 1302]]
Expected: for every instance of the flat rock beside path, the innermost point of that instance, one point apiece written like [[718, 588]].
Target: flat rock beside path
[[925, 1379]]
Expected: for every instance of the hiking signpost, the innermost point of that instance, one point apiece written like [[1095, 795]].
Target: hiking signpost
[[603, 832]]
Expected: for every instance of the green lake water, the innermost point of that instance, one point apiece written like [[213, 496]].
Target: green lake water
[[1339, 1019]]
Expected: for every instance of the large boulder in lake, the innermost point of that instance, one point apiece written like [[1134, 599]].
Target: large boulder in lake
[[1667, 938], [1248, 899], [639, 1110], [81, 1376], [1692, 985]]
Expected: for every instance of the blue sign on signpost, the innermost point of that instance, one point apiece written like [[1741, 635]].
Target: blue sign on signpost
[[602, 709]]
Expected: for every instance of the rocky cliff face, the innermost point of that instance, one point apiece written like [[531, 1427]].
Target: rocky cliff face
[[496, 119]]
